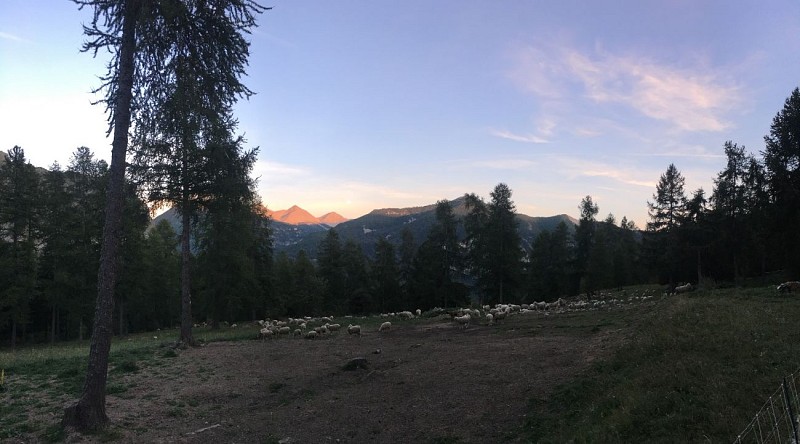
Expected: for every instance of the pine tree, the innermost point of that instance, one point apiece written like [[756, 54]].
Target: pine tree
[[331, 270], [584, 242], [385, 275], [666, 212], [493, 252], [19, 192], [438, 262], [189, 104], [729, 210], [782, 162]]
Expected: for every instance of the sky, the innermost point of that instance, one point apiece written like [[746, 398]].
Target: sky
[[381, 104]]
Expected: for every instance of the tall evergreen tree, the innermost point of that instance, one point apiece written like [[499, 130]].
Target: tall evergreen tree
[[729, 211], [331, 270], [226, 232], [666, 212], [584, 242], [386, 278], [549, 267], [494, 244], [19, 192], [54, 276], [357, 282], [204, 55], [113, 27], [782, 162], [438, 262], [408, 250]]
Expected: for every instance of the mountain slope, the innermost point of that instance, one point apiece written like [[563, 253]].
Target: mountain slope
[[390, 222]]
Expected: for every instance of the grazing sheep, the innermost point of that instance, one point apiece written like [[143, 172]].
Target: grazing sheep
[[499, 315], [297, 332], [385, 326], [321, 330], [788, 287], [284, 330], [265, 333], [311, 334], [490, 318], [354, 329], [333, 327], [406, 315], [463, 320], [684, 288]]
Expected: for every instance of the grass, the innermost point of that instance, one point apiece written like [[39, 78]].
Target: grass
[[698, 367], [695, 367], [55, 373]]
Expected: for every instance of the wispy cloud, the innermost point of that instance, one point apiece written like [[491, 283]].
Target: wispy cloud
[[691, 151], [12, 37], [526, 138], [268, 169], [508, 164], [689, 99], [576, 167]]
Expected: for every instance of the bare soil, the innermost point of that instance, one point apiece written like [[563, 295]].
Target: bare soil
[[424, 382]]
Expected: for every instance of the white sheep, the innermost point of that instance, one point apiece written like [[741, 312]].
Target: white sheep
[[419, 312], [406, 315], [354, 329], [490, 318], [788, 287], [463, 320], [284, 330], [684, 288], [311, 334], [264, 333], [386, 326], [333, 327], [297, 332]]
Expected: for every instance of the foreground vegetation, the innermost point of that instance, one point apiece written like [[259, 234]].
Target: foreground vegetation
[[691, 367], [696, 369]]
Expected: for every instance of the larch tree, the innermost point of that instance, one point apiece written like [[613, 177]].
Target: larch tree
[[782, 162], [113, 27], [202, 55], [493, 243], [666, 212], [19, 210]]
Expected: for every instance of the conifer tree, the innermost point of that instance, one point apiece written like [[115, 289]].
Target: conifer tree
[[19, 191], [666, 212], [782, 162]]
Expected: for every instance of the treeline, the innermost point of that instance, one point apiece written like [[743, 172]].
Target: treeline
[[51, 222]]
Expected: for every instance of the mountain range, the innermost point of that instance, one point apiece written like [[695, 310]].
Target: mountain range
[[298, 216], [295, 229]]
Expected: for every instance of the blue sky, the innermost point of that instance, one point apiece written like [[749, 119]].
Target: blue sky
[[371, 104]]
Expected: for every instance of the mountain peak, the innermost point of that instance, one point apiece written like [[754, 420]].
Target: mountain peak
[[298, 216]]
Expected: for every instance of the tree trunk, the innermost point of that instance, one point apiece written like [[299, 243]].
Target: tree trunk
[[89, 411], [186, 296], [53, 325]]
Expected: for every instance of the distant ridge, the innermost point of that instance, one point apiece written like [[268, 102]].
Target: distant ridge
[[298, 216]]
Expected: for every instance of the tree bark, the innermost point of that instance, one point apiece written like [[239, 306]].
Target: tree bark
[[89, 411]]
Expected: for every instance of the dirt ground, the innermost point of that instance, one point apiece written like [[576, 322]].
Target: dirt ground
[[425, 382]]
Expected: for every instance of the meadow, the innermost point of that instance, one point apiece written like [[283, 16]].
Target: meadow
[[685, 368]]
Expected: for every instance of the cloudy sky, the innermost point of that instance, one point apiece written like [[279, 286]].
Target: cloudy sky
[[375, 103]]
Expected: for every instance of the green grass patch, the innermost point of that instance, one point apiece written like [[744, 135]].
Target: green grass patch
[[697, 368]]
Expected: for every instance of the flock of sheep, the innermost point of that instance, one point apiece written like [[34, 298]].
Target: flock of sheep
[[317, 327]]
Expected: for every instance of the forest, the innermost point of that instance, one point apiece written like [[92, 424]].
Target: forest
[[51, 228]]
